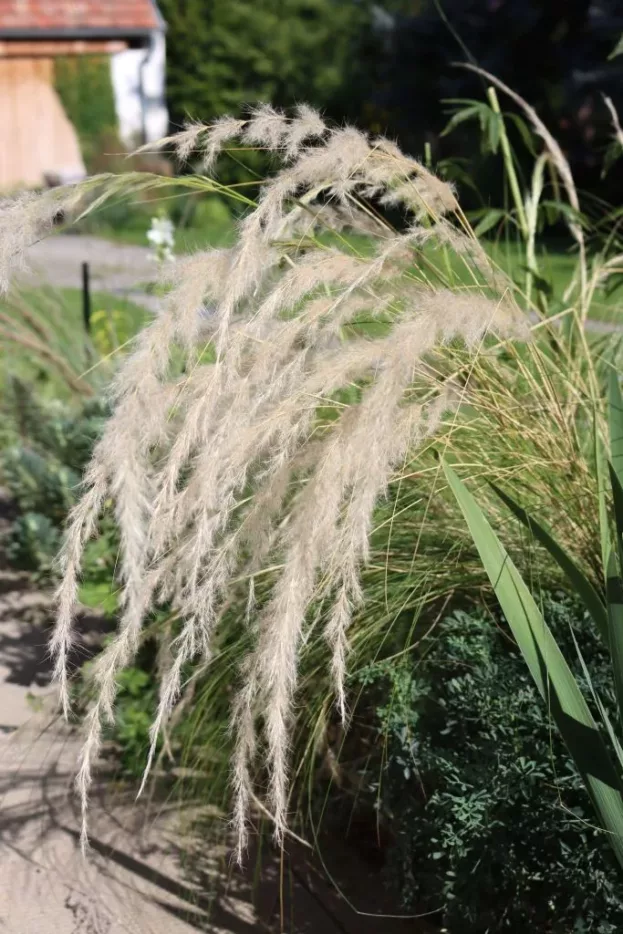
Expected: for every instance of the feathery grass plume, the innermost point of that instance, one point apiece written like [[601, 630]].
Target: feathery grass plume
[[26, 218], [261, 415]]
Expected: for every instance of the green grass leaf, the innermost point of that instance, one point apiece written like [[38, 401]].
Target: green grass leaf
[[490, 218], [580, 583], [548, 668], [617, 50], [615, 421], [614, 594]]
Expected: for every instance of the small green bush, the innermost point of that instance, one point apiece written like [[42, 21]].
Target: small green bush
[[39, 484], [51, 443], [33, 543], [490, 821], [135, 705]]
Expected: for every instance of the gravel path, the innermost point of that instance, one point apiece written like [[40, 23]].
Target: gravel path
[[114, 267]]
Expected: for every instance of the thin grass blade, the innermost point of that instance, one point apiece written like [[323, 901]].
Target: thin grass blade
[[615, 422], [581, 584], [614, 594]]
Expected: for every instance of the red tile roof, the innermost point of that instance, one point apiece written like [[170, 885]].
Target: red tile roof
[[78, 18]]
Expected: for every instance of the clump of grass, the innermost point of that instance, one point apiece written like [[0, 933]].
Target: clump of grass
[[286, 385], [261, 415]]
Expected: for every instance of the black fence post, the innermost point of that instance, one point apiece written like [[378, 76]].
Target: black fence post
[[86, 298]]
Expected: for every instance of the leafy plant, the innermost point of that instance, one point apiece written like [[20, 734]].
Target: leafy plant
[[136, 700], [50, 444], [488, 821], [191, 516], [33, 543], [547, 663], [38, 483]]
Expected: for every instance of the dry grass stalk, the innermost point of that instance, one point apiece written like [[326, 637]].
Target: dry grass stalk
[[561, 164], [616, 123], [219, 469]]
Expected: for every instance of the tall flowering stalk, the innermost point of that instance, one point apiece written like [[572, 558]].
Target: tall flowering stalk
[[217, 458], [161, 238]]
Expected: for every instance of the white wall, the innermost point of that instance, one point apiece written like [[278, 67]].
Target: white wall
[[126, 79]]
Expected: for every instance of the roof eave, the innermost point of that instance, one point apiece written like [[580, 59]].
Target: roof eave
[[139, 35], [162, 26]]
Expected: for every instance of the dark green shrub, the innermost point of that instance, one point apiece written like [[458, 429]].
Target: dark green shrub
[[490, 822], [33, 543], [136, 701], [39, 484], [42, 474]]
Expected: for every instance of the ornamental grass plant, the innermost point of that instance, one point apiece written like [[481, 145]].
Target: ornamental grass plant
[[269, 457]]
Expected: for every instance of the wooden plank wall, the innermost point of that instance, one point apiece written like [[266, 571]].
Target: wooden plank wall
[[36, 136]]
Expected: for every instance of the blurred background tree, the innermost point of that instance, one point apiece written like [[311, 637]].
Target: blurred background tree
[[555, 53], [84, 85], [224, 52], [389, 66]]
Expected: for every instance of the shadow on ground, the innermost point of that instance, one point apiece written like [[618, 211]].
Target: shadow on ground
[[152, 867]]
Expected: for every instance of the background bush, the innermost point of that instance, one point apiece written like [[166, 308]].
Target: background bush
[[41, 469], [84, 85]]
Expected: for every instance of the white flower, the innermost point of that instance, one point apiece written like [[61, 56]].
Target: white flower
[[161, 237]]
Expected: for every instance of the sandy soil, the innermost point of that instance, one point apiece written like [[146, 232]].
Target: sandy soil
[[141, 876], [131, 881]]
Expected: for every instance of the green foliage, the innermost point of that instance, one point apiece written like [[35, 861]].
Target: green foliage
[[136, 701], [41, 470], [490, 821], [33, 543], [39, 484], [84, 85], [546, 662], [225, 52]]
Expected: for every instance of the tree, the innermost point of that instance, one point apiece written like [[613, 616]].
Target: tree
[[224, 53]]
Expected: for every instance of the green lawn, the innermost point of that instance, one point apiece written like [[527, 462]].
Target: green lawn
[[187, 239]]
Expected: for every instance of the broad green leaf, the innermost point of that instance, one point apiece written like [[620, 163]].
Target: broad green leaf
[[524, 132], [564, 210], [617, 499], [614, 596], [615, 422], [494, 126], [578, 580], [603, 713], [548, 668], [467, 113]]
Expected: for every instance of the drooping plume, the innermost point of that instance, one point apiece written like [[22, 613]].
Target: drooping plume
[[218, 458]]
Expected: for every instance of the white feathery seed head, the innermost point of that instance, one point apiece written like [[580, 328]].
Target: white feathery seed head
[[216, 457]]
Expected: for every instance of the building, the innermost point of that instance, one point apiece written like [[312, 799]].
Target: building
[[37, 141]]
